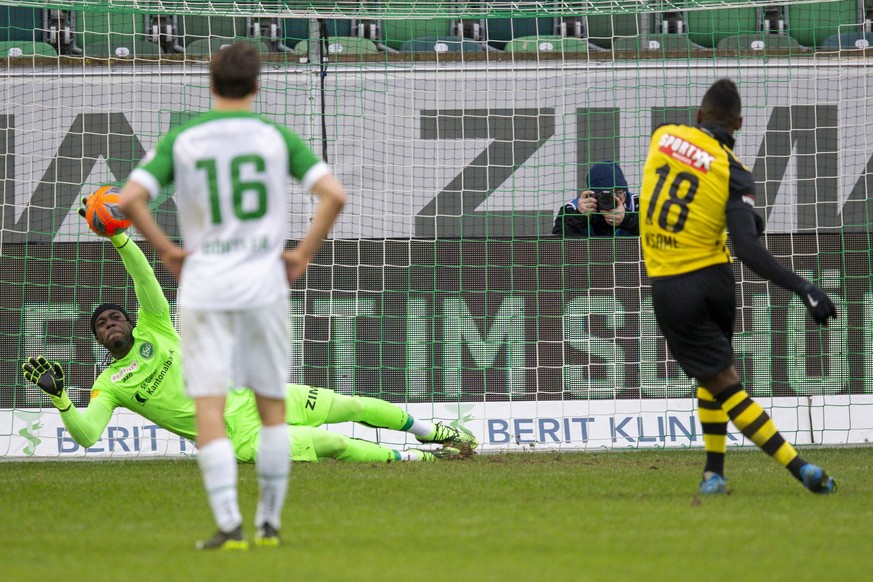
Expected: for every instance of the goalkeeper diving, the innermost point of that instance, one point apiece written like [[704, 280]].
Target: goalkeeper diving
[[145, 376]]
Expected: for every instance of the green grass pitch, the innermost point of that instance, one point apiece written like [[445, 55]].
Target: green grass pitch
[[532, 516]]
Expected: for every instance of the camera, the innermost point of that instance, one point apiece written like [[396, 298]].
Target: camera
[[606, 200]]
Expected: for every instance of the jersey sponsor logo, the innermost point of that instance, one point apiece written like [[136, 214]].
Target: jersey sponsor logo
[[147, 350], [685, 152], [139, 398], [311, 398], [749, 199], [153, 380], [125, 372]]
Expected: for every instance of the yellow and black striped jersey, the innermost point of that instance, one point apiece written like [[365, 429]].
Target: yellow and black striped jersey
[[689, 176]]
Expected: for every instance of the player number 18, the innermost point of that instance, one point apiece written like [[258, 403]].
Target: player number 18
[[682, 180]]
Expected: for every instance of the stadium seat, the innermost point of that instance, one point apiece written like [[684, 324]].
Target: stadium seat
[[759, 42], [25, 48], [108, 29], [341, 45], [397, 32], [18, 23], [603, 30], [811, 24], [297, 29], [441, 44], [196, 28], [502, 30], [123, 48], [709, 27], [208, 46], [546, 44], [847, 41], [656, 42]]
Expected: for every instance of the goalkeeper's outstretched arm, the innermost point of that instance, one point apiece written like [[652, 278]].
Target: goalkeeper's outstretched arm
[[85, 427], [148, 290]]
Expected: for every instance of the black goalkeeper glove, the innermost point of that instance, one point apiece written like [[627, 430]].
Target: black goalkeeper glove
[[49, 376], [817, 302]]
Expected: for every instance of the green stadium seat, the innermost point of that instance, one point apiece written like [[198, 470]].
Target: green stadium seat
[[18, 23], [546, 44], [26, 48], [762, 42], [502, 30], [341, 45], [709, 27], [123, 48], [108, 29], [603, 30], [847, 41], [678, 43], [209, 46], [441, 44], [195, 28], [296, 30], [811, 24], [397, 32]]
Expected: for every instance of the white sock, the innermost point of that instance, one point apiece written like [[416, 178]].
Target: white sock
[[218, 466], [273, 465], [411, 455], [422, 428]]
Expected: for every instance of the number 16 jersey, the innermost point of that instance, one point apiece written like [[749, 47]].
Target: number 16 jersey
[[231, 170], [689, 176]]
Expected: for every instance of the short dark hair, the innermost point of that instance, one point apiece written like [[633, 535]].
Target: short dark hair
[[234, 70], [721, 103]]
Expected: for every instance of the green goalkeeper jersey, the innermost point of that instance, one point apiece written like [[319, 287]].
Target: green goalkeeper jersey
[[148, 381]]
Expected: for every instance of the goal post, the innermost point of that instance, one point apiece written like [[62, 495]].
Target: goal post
[[442, 288]]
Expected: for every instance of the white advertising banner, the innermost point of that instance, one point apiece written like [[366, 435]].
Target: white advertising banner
[[500, 427]]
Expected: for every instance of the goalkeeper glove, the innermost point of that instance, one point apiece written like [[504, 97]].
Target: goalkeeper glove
[[817, 302], [49, 376]]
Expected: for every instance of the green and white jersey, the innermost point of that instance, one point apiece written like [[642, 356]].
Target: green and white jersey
[[230, 169]]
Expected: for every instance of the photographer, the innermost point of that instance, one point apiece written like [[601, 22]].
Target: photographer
[[605, 208]]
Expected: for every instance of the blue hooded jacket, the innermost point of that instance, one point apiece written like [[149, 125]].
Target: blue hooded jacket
[[601, 176]]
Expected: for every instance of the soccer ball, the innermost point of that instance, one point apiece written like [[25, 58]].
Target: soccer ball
[[103, 214]]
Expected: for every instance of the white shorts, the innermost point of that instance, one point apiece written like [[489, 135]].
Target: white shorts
[[231, 349]]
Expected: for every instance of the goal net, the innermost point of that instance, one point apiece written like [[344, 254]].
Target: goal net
[[459, 130]]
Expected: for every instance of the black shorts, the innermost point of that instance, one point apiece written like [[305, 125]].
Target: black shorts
[[696, 313]]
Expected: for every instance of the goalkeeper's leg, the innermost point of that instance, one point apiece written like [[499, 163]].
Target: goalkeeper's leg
[[376, 413], [331, 445]]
